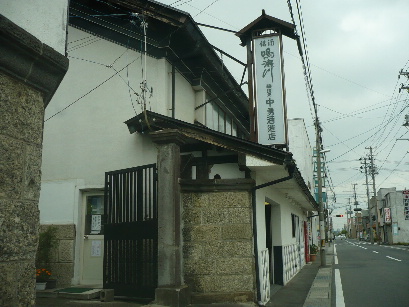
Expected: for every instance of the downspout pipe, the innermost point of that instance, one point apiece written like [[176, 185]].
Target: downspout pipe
[[290, 168], [173, 90]]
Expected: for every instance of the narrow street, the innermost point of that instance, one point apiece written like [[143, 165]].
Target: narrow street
[[370, 275]]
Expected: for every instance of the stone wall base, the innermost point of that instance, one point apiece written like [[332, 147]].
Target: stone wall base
[[62, 260], [173, 296], [230, 297]]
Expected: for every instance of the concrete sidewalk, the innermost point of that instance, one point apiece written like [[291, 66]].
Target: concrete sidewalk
[[320, 291], [310, 287]]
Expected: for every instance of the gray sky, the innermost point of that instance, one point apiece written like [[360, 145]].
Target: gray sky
[[356, 49]]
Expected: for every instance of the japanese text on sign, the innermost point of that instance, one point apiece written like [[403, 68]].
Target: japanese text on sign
[[269, 91]]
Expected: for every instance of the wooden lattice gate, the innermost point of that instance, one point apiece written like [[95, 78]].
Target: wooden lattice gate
[[131, 232]]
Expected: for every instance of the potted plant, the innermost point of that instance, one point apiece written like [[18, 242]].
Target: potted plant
[[46, 244], [42, 277], [313, 252]]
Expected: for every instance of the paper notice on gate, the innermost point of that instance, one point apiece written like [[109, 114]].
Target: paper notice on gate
[[96, 248], [96, 222]]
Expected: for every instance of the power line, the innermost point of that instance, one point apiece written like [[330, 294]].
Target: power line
[[89, 92], [85, 60], [206, 8], [353, 114], [84, 44], [218, 19], [77, 40], [387, 112], [351, 138], [391, 151], [396, 118], [356, 145], [339, 76], [346, 180], [173, 4]]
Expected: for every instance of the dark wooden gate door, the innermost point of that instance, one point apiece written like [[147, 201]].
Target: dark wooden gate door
[[131, 232]]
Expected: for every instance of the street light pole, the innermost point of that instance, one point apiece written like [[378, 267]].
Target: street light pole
[[320, 203]]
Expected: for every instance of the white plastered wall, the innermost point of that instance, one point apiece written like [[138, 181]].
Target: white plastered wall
[[58, 199], [88, 137], [45, 19], [84, 131], [398, 215], [281, 224], [300, 147]]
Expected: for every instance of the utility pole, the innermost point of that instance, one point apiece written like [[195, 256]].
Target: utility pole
[[372, 169], [355, 217], [320, 203], [367, 197], [349, 224], [406, 74]]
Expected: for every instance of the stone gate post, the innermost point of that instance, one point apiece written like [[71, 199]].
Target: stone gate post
[[171, 290]]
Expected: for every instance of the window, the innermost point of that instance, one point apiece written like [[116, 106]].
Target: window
[[219, 120], [95, 215], [234, 130], [293, 224], [406, 208], [228, 126], [222, 121]]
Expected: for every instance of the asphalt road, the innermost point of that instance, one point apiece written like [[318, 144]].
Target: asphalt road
[[370, 275]]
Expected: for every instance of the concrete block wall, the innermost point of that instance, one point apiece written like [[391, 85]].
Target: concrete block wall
[[217, 244]]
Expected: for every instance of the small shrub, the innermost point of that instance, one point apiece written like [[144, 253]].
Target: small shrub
[[313, 249], [46, 244]]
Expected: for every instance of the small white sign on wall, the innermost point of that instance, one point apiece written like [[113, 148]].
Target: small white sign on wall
[[395, 229], [96, 248], [96, 223]]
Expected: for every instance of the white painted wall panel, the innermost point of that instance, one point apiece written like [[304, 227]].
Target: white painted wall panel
[[301, 149], [57, 202], [88, 137], [45, 19]]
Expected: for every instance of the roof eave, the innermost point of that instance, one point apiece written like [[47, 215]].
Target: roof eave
[[263, 23]]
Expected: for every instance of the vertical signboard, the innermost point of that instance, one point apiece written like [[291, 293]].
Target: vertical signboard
[[406, 203], [269, 96], [387, 215]]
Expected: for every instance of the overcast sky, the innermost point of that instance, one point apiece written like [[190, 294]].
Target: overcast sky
[[356, 49]]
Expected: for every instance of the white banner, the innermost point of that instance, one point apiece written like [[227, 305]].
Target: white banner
[[269, 91], [387, 215]]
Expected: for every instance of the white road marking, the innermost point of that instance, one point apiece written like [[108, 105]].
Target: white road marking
[[339, 294], [335, 254], [393, 258], [375, 252]]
